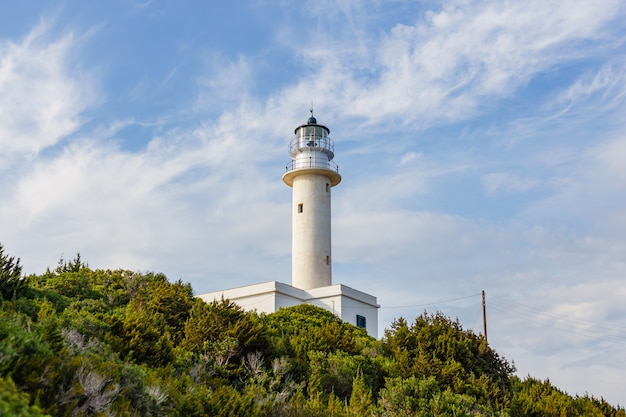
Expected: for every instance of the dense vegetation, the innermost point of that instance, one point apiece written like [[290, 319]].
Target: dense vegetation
[[83, 342]]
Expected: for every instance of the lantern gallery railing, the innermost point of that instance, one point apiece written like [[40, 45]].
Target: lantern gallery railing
[[312, 162]]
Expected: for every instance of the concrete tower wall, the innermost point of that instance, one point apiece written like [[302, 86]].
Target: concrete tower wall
[[311, 231]]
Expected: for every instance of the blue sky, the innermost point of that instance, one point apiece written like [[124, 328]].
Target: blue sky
[[481, 145]]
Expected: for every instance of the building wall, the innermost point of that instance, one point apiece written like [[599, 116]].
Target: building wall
[[262, 303], [268, 297], [347, 303], [350, 308]]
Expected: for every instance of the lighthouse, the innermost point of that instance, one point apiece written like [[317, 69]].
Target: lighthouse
[[311, 174]]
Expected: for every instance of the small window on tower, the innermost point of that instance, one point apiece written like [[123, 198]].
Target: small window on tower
[[327, 187], [327, 260], [360, 321], [300, 208]]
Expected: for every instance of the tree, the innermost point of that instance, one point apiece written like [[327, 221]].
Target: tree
[[15, 403], [536, 398], [92, 393], [219, 321], [361, 402], [74, 265], [12, 284], [27, 357], [145, 336], [174, 302], [415, 397], [461, 360]]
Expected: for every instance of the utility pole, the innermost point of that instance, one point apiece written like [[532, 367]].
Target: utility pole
[[484, 317]]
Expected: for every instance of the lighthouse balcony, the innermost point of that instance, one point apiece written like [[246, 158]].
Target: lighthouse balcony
[[312, 165], [319, 162]]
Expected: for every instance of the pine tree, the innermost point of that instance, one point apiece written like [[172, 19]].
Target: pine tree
[[12, 285]]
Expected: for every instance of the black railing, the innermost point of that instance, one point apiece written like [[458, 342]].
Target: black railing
[[312, 162]]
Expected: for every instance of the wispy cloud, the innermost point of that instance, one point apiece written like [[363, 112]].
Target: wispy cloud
[[225, 84], [41, 97], [444, 67], [507, 182]]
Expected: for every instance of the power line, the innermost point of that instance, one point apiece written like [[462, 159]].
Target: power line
[[531, 309], [433, 303], [544, 318], [584, 328], [509, 303]]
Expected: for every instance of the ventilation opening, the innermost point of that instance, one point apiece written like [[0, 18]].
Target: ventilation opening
[[300, 206], [361, 321]]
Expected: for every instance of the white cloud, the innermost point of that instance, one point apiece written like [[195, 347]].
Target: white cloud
[[449, 65], [408, 157], [608, 81], [592, 195], [225, 84], [204, 188], [41, 97], [504, 182], [609, 160]]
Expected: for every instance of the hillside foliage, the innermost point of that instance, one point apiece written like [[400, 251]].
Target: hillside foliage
[[83, 342]]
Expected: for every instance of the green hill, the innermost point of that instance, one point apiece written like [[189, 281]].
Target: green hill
[[83, 342]]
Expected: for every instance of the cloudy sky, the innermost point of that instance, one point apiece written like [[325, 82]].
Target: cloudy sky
[[481, 144]]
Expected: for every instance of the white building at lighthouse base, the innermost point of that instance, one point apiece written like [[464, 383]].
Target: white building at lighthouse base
[[350, 305]]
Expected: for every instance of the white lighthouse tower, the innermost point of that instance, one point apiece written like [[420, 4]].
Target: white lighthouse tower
[[312, 174]]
